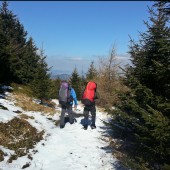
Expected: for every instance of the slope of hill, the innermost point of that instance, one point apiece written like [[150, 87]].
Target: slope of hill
[[36, 142]]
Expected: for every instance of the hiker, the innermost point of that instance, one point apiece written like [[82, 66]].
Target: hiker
[[88, 99], [67, 96]]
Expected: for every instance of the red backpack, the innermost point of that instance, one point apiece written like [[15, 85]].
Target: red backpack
[[89, 93]]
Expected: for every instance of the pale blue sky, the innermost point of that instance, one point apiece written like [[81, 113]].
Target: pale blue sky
[[74, 33]]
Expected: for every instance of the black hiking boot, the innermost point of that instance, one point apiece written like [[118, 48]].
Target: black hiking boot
[[93, 126], [85, 127], [71, 122], [61, 126]]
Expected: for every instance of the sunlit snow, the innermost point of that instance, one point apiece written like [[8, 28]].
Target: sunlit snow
[[70, 148]]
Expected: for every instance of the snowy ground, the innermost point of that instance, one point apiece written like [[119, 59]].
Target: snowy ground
[[71, 148]]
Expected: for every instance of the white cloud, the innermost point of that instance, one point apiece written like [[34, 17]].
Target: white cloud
[[76, 59], [66, 64], [124, 59]]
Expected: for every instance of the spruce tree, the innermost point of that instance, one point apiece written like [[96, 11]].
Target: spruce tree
[[14, 39], [83, 83], [4, 57], [30, 62], [76, 83], [54, 88], [145, 108], [4, 61], [41, 82], [92, 72]]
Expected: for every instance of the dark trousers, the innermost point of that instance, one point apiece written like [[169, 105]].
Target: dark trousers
[[65, 108], [92, 110]]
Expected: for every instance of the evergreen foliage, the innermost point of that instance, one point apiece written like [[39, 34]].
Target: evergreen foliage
[[19, 60], [144, 109], [14, 39], [54, 88], [82, 84], [30, 62], [4, 62], [41, 82], [75, 81], [91, 73]]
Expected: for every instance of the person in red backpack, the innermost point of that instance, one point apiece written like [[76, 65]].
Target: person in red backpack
[[88, 99]]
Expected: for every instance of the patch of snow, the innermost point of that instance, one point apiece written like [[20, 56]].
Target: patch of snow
[[6, 115], [6, 150], [36, 101], [6, 87], [70, 148]]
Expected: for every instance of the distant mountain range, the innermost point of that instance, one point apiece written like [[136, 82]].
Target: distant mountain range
[[60, 76]]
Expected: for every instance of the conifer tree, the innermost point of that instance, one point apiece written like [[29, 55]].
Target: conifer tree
[[145, 108], [83, 83], [54, 89], [41, 83], [92, 72], [166, 6], [4, 62], [14, 41], [76, 83], [30, 62], [4, 57]]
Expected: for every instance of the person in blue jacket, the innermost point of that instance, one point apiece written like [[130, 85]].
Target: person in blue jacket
[[68, 107]]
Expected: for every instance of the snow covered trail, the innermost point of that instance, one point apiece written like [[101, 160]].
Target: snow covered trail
[[73, 148], [70, 148]]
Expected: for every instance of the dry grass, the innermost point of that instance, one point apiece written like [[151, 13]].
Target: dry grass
[[27, 104], [23, 97], [18, 135], [100, 109], [24, 116]]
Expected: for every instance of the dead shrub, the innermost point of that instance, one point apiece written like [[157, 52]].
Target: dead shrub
[[20, 136]]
